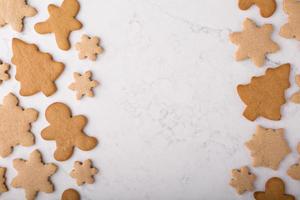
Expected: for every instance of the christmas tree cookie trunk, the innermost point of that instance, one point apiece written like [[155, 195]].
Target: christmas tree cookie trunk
[[264, 95]]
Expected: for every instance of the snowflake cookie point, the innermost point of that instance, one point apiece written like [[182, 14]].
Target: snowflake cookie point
[[3, 187], [4, 75]]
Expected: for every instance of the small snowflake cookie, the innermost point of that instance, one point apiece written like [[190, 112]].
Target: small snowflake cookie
[[89, 47], [84, 172], [83, 84], [242, 180], [254, 42]]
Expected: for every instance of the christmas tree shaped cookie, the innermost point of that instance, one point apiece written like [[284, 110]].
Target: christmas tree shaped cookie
[[36, 70], [264, 95]]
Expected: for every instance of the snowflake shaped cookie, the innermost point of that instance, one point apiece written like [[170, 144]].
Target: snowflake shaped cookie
[[89, 47], [13, 11], [33, 175], [242, 180], [254, 42], [15, 125], [268, 147], [84, 172], [83, 84]]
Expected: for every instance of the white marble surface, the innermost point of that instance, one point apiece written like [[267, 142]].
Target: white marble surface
[[167, 113]]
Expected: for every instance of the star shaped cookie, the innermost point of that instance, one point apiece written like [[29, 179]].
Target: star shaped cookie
[[254, 42]]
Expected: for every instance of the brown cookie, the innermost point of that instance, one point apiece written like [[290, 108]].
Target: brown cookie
[[89, 47], [67, 131], [294, 171], [61, 22], [267, 7], [15, 125], [83, 84], [36, 71], [268, 147], [242, 180], [13, 12], [3, 187], [70, 194], [265, 95], [296, 96], [274, 190], [254, 42], [84, 172], [33, 175], [292, 28], [4, 75]]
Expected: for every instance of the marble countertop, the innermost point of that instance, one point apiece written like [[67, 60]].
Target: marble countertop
[[167, 113]]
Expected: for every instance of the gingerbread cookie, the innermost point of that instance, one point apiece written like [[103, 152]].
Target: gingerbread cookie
[[292, 28], [274, 190], [36, 71], [70, 194], [254, 42], [13, 12], [84, 172], [4, 75], [296, 96], [242, 180], [3, 187], [33, 175], [89, 47], [83, 84], [67, 131], [61, 22], [268, 147], [265, 95], [267, 7], [15, 125], [294, 170]]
